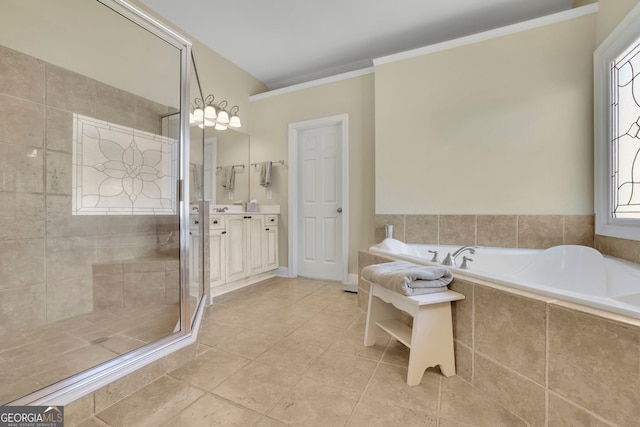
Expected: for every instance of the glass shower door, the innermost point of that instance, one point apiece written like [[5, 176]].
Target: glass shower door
[[90, 197]]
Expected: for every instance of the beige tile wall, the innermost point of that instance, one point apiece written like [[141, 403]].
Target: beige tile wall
[[510, 231], [619, 248], [543, 361], [135, 283], [46, 254]]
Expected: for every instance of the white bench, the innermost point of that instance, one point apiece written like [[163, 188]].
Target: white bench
[[430, 340]]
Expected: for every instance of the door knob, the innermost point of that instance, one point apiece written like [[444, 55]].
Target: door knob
[[339, 210]]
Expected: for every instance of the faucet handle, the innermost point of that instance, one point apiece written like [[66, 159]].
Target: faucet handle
[[465, 263], [448, 260], [435, 256]]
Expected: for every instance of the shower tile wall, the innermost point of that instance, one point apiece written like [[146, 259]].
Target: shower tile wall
[[46, 254]]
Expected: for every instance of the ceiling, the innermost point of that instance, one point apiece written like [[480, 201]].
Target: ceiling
[[285, 42]]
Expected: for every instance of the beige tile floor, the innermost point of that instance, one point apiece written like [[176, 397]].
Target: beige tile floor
[[40, 356], [290, 352]]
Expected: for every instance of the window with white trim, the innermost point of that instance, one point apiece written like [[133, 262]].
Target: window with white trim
[[617, 130]]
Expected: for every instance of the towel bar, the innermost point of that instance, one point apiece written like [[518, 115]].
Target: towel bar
[[281, 162]]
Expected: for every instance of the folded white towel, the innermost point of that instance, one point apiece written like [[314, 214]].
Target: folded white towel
[[408, 278], [265, 174]]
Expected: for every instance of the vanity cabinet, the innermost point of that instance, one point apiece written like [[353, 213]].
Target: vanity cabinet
[[244, 246], [270, 242], [243, 249]]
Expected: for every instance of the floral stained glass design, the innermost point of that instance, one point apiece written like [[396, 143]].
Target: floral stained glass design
[[625, 127], [118, 170]]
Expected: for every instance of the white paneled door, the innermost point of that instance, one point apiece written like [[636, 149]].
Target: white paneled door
[[319, 227]]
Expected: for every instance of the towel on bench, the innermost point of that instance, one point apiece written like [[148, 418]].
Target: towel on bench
[[408, 278]]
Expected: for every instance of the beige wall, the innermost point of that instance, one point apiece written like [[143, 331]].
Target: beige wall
[[64, 33], [269, 141], [502, 126], [39, 27], [610, 13], [218, 76]]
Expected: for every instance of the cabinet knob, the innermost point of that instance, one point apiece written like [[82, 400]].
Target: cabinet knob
[[215, 222], [339, 210], [224, 232], [196, 221], [266, 229]]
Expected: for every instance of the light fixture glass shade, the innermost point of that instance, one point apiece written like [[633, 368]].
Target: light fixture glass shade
[[210, 112], [235, 122], [198, 114], [206, 123], [220, 126], [223, 117]]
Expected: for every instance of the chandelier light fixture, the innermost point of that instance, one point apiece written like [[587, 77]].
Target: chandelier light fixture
[[206, 114], [234, 122]]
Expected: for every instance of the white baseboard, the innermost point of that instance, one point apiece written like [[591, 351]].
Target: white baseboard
[[237, 284], [352, 284], [282, 272]]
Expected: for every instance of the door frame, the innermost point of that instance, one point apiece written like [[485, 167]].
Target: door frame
[[294, 133]]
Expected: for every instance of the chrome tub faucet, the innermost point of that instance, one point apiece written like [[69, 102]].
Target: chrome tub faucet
[[450, 260]]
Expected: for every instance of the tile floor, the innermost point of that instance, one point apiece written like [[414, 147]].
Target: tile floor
[[40, 356], [290, 352]]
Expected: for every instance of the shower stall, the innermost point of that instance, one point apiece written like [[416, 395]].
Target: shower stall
[[95, 206]]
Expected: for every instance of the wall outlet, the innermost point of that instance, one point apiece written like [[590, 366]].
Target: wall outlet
[[269, 194], [230, 195]]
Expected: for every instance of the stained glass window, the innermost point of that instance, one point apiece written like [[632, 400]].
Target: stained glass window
[[625, 133], [118, 170]]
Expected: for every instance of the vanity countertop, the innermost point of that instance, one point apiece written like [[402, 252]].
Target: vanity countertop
[[244, 213], [238, 210]]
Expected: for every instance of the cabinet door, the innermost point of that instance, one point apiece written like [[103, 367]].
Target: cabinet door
[[236, 248], [217, 258], [255, 225], [270, 248]]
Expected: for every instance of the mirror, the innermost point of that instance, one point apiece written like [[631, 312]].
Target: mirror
[[226, 181]]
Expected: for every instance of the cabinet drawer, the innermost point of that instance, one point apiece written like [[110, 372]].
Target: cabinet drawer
[[270, 220], [216, 222]]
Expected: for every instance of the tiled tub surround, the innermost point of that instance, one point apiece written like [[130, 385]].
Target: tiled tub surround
[[506, 231], [548, 362], [573, 273]]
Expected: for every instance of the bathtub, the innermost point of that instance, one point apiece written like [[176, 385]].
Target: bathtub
[[578, 274]]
